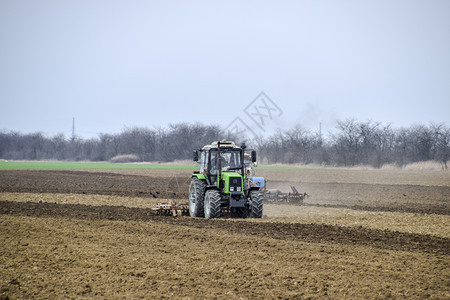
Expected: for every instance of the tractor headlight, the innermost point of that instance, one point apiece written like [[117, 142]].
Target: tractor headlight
[[238, 189], [231, 188]]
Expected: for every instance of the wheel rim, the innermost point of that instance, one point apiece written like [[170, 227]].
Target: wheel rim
[[192, 200], [207, 206]]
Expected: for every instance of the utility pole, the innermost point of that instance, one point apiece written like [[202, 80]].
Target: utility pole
[[73, 129], [320, 133]]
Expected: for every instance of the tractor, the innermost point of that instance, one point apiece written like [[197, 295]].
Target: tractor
[[221, 186]]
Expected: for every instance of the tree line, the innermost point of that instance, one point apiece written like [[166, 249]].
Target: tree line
[[352, 143], [359, 143]]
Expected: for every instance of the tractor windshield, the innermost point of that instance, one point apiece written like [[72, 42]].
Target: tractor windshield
[[229, 160]]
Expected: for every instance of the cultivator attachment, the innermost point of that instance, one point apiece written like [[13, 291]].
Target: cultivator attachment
[[277, 197], [172, 208]]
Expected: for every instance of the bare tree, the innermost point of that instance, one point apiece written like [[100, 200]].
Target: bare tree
[[441, 143]]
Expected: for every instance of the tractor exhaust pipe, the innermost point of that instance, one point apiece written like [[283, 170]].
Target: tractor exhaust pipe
[[219, 166]]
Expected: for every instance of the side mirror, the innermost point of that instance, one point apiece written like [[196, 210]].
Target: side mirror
[[195, 155], [253, 156]]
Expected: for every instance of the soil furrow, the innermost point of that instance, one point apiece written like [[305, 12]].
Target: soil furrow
[[79, 182], [359, 196], [316, 233]]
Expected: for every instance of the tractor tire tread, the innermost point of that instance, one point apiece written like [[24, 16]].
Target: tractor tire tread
[[199, 187], [213, 210], [256, 208]]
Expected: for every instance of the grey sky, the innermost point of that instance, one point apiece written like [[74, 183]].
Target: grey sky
[[118, 64]]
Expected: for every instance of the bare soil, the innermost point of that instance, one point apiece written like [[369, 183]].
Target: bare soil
[[80, 182], [335, 189], [97, 237]]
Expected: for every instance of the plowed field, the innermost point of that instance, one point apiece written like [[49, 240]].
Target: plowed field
[[74, 234]]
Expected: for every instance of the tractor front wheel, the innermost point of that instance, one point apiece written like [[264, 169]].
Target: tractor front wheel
[[256, 208], [196, 195], [212, 204]]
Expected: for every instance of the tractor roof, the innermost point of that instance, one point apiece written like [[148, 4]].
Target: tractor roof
[[224, 144]]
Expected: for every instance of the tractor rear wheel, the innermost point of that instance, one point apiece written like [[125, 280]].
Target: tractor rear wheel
[[212, 204], [256, 208], [196, 195]]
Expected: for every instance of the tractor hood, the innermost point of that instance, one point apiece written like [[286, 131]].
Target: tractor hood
[[233, 183]]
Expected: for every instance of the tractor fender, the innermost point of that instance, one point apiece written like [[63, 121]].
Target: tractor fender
[[199, 176]]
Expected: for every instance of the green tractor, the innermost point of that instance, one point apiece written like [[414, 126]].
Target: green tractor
[[221, 186]]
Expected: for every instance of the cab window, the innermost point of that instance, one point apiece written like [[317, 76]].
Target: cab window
[[203, 162]]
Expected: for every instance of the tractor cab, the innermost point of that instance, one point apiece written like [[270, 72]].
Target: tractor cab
[[221, 157]]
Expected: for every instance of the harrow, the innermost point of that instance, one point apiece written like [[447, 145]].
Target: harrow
[[278, 197], [172, 208]]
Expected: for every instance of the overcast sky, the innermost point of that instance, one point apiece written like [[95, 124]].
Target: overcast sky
[[118, 64]]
